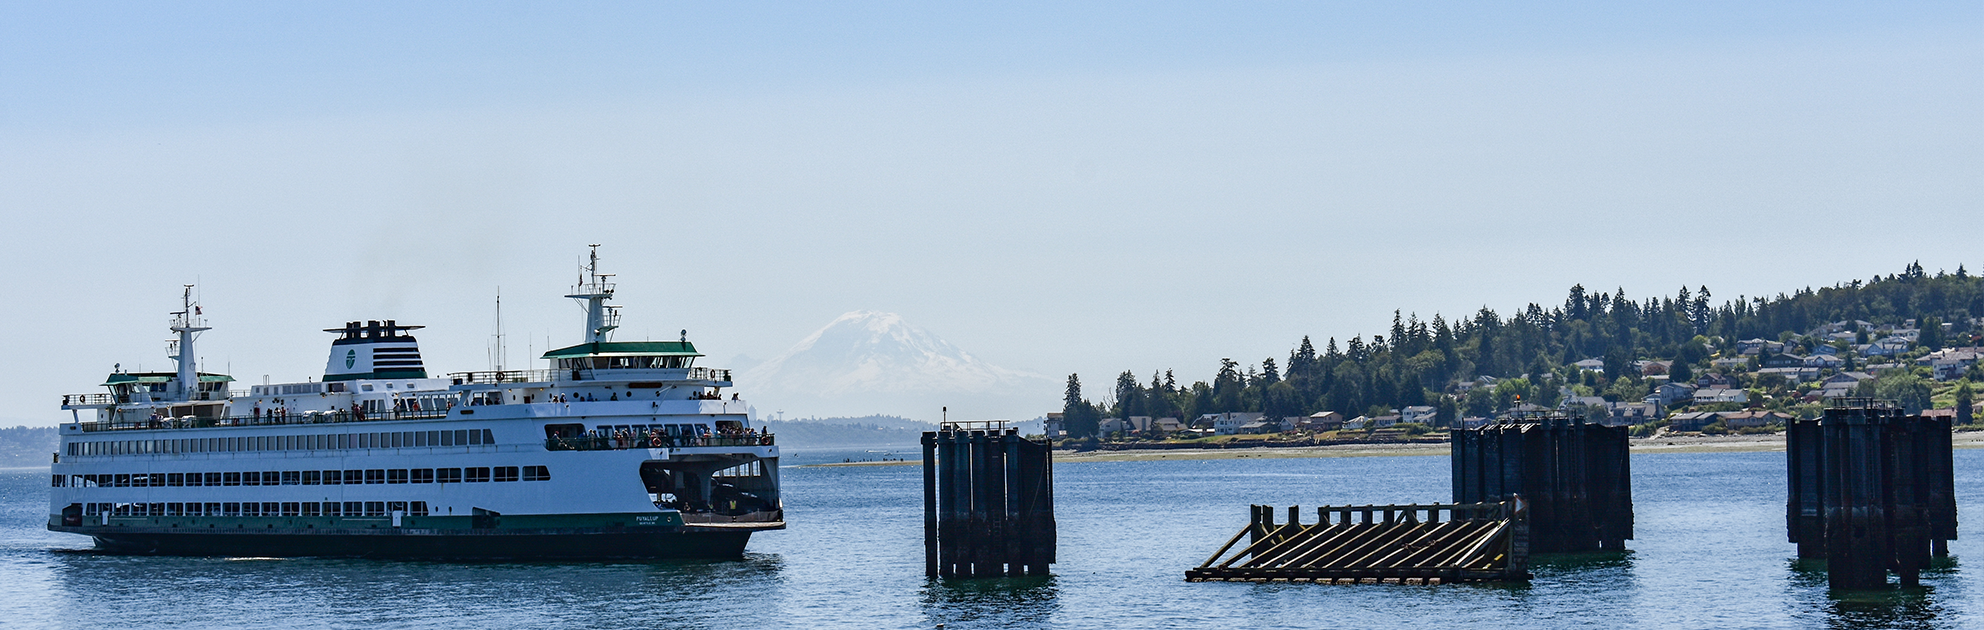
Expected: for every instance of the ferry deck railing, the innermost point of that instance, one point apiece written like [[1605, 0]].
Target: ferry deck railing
[[497, 377], [266, 419], [613, 443]]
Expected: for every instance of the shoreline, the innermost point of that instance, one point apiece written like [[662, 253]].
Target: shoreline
[[1651, 445]]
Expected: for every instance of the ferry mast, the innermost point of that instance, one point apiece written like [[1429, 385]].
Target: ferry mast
[[594, 290], [186, 321]]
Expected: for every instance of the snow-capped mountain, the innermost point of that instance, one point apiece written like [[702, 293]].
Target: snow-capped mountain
[[867, 362]]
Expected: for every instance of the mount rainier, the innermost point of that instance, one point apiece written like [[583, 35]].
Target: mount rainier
[[868, 362]]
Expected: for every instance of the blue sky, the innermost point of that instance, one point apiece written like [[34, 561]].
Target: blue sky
[[1058, 187]]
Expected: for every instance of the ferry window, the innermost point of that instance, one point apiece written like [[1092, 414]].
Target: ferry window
[[271, 509], [230, 479], [393, 440], [375, 508], [121, 481], [251, 509], [354, 477], [175, 509], [475, 475], [158, 480], [251, 478], [474, 437], [365, 388], [418, 508], [433, 438], [333, 508], [461, 437], [487, 437], [375, 476], [448, 475], [423, 475], [55, 482], [506, 473], [140, 509], [354, 508], [192, 509], [158, 509], [213, 509], [311, 477], [419, 439], [213, 478], [292, 509], [447, 438], [310, 509], [175, 479], [396, 476], [193, 480], [396, 506], [291, 478], [333, 477], [406, 438], [537, 473]]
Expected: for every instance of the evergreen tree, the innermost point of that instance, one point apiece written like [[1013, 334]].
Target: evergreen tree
[[1080, 418], [1931, 337], [1130, 400], [1446, 412], [1965, 399]]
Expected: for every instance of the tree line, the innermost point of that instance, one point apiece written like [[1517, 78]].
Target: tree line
[[1420, 362]]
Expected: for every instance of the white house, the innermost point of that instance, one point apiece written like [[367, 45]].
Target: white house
[[1421, 414], [1706, 396], [1230, 423]]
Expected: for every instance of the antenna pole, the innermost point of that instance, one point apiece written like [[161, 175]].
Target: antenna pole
[[499, 330]]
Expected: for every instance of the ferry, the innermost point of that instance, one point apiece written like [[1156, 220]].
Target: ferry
[[621, 449]]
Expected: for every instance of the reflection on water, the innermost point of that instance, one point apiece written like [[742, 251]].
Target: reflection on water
[[227, 591], [1606, 561], [990, 602], [1893, 608]]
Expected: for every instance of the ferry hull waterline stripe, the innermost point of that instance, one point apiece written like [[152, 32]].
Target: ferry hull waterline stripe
[[623, 449]]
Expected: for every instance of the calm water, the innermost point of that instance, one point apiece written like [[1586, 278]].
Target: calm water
[[1710, 554]]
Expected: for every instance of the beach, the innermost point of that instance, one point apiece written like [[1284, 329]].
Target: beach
[[1656, 444]]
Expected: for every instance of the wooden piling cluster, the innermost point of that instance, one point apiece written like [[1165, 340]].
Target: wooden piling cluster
[[1396, 544], [1872, 490], [1576, 477], [988, 503]]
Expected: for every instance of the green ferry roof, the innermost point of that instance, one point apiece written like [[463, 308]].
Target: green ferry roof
[[611, 348], [161, 377]]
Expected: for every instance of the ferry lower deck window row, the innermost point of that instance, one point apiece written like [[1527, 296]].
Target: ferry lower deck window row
[[269, 508], [482, 474], [313, 442]]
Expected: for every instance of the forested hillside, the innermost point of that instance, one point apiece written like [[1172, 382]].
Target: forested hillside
[[1431, 362], [26, 446]]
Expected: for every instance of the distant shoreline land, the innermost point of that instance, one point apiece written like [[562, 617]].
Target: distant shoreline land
[[1640, 446], [1685, 363]]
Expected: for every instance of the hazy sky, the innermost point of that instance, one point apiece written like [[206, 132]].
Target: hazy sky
[[1062, 187]]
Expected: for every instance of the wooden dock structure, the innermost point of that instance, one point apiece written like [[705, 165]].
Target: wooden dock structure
[[1576, 477], [988, 502], [1871, 490], [1370, 544]]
